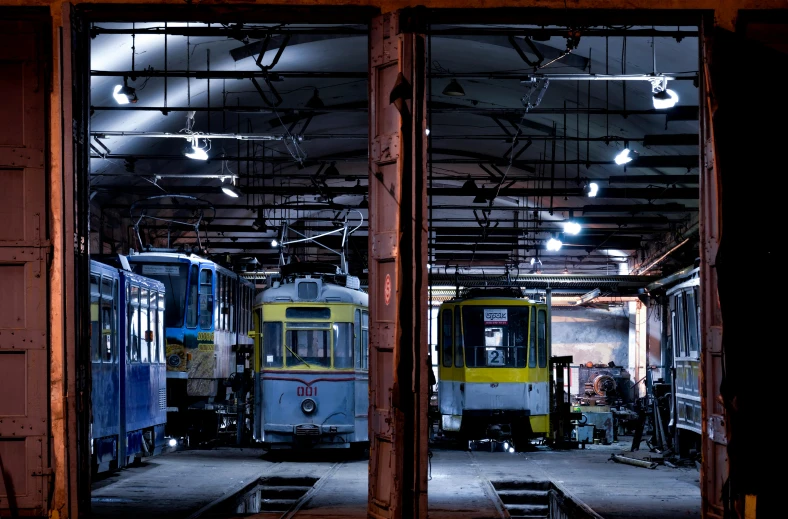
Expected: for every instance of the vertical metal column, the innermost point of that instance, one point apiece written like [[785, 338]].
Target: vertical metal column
[[397, 268]]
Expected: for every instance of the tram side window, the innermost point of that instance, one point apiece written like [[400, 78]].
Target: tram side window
[[231, 301], [107, 343], [446, 342], [244, 309], [144, 326], [219, 309], [206, 299], [458, 341], [680, 338], [134, 324], [272, 345], [542, 338], [161, 328], [95, 332], [532, 342], [191, 312], [115, 303], [693, 341], [153, 316], [357, 337], [343, 345], [364, 340]]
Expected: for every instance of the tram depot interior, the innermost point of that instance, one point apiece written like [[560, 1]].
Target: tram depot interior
[[563, 161]]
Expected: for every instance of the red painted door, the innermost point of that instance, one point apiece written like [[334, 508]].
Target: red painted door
[[397, 268], [24, 387]]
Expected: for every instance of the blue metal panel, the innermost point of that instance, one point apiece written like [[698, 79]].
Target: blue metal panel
[[333, 423], [105, 399]]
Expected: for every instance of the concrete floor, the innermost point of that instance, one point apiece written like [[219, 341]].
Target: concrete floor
[[190, 484]]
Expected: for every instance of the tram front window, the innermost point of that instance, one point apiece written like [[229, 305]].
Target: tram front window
[[309, 347], [495, 337], [173, 275]]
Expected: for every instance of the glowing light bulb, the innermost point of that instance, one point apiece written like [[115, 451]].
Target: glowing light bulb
[[120, 98], [553, 244], [571, 227], [665, 99], [623, 158]]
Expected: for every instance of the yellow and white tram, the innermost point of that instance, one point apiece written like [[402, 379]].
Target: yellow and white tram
[[494, 367]]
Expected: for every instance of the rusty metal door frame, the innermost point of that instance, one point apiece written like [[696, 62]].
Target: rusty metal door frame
[[398, 267], [738, 341]]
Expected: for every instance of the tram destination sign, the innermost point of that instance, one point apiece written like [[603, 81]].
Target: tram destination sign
[[496, 316]]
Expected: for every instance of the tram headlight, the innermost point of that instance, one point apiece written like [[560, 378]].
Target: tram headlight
[[308, 406], [173, 442]]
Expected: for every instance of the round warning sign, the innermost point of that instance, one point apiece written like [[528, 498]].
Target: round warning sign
[[387, 289]]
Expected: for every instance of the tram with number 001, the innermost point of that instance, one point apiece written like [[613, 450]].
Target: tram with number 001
[[311, 360]]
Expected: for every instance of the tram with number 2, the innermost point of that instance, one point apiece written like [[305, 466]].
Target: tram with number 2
[[494, 368]]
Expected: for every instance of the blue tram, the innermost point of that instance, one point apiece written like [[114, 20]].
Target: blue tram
[[311, 360], [127, 367], [207, 318], [684, 340]]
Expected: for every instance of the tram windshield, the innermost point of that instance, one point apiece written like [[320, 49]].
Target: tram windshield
[[495, 337], [174, 277], [310, 347], [308, 344]]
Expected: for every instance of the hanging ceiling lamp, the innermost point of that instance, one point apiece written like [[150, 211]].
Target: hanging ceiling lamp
[[315, 101], [124, 94], [331, 170], [230, 189], [453, 89]]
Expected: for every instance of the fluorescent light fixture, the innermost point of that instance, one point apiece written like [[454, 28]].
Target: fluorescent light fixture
[[665, 99], [197, 152], [553, 244], [624, 157], [571, 227]]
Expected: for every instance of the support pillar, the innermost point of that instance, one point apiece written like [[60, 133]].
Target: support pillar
[[397, 268]]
